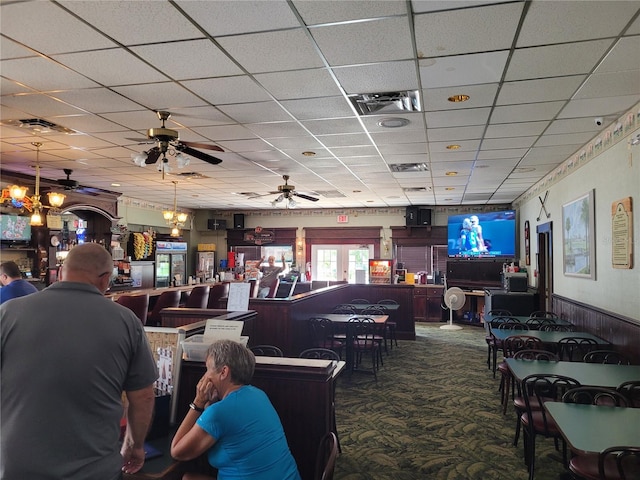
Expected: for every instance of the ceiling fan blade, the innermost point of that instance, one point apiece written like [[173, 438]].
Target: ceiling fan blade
[[306, 197], [152, 155], [192, 152], [141, 140], [204, 146]]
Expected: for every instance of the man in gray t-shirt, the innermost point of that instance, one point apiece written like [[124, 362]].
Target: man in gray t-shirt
[[68, 354], [269, 275]]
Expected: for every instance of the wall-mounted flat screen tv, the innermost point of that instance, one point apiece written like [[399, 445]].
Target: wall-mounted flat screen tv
[[15, 228], [482, 235]]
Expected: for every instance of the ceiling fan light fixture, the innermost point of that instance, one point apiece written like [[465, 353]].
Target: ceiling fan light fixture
[[56, 199], [17, 192], [182, 217], [167, 215], [175, 232], [182, 160], [292, 203], [36, 218], [139, 158]]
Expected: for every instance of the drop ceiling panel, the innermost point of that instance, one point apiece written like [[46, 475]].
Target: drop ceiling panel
[[201, 69], [390, 35]]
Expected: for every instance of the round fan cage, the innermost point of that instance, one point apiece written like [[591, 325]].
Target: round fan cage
[[454, 299]]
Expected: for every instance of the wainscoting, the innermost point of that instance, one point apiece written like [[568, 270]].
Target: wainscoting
[[621, 331]]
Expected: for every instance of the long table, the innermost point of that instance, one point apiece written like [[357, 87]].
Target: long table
[[592, 428], [588, 374], [523, 319], [548, 338]]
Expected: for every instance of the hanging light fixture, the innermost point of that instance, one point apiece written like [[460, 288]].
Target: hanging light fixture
[[17, 195], [174, 218]]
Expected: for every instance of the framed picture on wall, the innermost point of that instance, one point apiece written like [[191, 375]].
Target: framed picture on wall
[[578, 237]]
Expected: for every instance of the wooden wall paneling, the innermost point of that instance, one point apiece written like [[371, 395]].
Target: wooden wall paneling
[[622, 332]]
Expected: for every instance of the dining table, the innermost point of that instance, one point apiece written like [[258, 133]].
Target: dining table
[[548, 338], [523, 319], [588, 374], [344, 319], [358, 307], [593, 428]]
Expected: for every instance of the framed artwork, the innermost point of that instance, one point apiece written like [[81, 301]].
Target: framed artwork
[[578, 237]]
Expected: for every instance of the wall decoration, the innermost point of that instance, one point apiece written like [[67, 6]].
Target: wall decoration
[[578, 237], [527, 244], [622, 233]]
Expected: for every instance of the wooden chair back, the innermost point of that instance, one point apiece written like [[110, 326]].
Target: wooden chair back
[[138, 303]]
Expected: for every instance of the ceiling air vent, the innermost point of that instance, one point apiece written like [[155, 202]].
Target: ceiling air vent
[[408, 167], [191, 175], [387, 102], [416, 189], [38, 125]]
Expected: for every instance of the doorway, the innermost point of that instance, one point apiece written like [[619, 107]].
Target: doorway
[[341, 262], [545, 265]]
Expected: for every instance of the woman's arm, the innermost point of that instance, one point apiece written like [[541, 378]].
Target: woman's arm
[[190, 440]]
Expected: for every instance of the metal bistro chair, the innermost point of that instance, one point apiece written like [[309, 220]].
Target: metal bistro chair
[[326, 457], [614, 463], [489, 338], [510, 346], [505, 324], [366, 341], [518, 401], [606, 356], [323, 335], [631, 390], [595, 396], [536, 390], [573, 349], [267, 351], [383, 331], [543, 314], [391, 326]]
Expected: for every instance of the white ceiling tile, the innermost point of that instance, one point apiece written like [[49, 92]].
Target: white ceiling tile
[[97, 100], [624, 56], [455, 133], [344, 139], [526, 113], [229, 17], [333, 126], [556, 60], [403, 148], [433, 30], [160, 96], [38, 105], [227, 90], [170, 58], [277, 129], [43, 75], [316, 108], [112, 67], [575, 139], [272, 51], [611, 85], [395, 137], [299, 84], [507, 142], [256, 112], [598, 107], [390, 35], [522, 129], [561, 22], [38, 25], [463, 69], [540, 90], [381, 77], [314, 13], [479, 96], [132, 23], [453, 118]]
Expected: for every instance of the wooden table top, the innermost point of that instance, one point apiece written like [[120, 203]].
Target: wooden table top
[[588, 374], [592, 428]]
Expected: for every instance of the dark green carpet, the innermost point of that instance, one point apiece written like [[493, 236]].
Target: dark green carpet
[[434, 413]]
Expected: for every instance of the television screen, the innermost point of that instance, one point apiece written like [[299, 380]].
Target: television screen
[[13, 227], [482, 235]]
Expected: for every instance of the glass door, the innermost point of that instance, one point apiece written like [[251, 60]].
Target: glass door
[[178, 268], [341, 262], [163, 270]]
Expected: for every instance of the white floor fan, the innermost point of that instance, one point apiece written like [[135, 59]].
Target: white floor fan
[[454, 299]]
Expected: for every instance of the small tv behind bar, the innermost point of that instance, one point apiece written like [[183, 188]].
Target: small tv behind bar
[[482, 235]]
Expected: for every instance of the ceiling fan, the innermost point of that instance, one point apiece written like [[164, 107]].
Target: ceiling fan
[[287, 192], [73, 185], [167, 138]]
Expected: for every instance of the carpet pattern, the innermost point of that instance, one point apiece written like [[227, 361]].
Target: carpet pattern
[[434, 413]]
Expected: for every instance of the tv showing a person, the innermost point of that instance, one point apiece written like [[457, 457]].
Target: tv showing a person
[[488, 234]]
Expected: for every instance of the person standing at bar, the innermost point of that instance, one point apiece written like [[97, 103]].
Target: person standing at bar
[[13, 285], [269, 275], [67, 355]]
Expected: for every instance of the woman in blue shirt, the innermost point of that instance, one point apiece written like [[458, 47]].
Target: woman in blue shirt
[[234, 422]]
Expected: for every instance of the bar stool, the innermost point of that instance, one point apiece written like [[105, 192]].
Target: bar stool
[[138, 303]]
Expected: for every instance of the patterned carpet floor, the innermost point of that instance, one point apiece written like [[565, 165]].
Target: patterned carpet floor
[[434, 413]]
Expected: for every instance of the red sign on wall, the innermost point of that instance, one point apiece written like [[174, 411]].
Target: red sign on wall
[[343, 218]]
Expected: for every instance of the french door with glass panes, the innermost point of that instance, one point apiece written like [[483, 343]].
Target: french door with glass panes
[[341, 262]]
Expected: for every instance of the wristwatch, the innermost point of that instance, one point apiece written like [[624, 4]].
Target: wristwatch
[[193, 406]]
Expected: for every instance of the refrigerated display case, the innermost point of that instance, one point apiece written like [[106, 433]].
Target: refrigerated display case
[[380, 271], [205, 265], [171, 266]]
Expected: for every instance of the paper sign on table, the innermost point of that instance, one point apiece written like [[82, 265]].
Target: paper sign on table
[[223, 329]]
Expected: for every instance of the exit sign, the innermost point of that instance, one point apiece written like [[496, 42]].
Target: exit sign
[[343, 218]]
